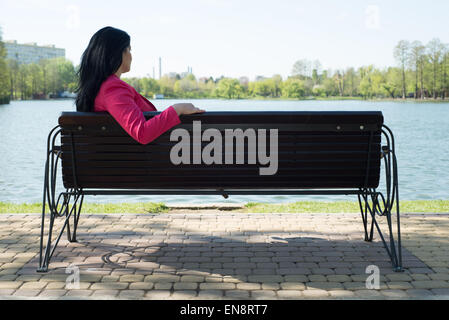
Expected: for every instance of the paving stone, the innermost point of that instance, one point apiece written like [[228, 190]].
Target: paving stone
[[399, 285], [55, 285], [210, 294], [265, 278], [4, 293], [289, 294], [441, 291], [317, 278], [439, 276], [338, 278], [26, 293], [79, 293], [9, 277], [324, 285], [52, 293], [263, 295], [109, 286], [341, 293], [162, 278], [10, 284], [141, 285], [419, 293], [54, 277], [131, 294], [217, 286], [33, 285], [271, 286], [237, 294], [248, 286], [315, 293], [292, 286], [110, 278], [192, 278], [296, 278], [184, 295], [394, 293], [399, 277], [131, 278], [10, 271], [430, 284], [420, 277], [163, 285], [369, 294], [105, 293], [185, 286]]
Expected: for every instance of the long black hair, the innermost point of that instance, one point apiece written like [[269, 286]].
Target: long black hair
[[102, 58]]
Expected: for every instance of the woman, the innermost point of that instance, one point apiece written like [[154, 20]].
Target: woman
[[106, 58]]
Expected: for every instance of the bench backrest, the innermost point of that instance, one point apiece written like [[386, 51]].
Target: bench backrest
[[318, 150]]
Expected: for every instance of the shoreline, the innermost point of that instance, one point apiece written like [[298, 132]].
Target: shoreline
[[407, 100]]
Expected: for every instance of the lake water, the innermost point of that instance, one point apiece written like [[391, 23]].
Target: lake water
[[420, 129]]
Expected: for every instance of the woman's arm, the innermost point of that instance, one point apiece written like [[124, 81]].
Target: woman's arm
[[119, 102]]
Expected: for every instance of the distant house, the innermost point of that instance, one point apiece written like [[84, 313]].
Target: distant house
[[158, 96]]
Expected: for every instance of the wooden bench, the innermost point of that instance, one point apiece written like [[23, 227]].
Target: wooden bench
[[330, 153]]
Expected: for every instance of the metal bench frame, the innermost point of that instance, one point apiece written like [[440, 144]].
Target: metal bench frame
[[372, 202]]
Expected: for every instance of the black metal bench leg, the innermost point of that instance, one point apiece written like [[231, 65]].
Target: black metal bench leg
[[75, 210], [55, 208], [368, 209], [364, 212], [44, 257]]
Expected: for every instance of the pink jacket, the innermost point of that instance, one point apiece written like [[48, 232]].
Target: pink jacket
[[126, 105]]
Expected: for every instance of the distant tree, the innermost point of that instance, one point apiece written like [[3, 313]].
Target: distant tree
[[186, 87], [4, 74], [293, 88], [302, 69], [229, 88], [13, 68], [277, 79], [351, 79], [445, 71], [417, 58], [435, 50], [402, 55], [340, 81], [393, 82], [148, 87]]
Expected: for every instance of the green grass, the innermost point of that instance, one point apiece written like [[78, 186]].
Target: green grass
[[141, 207], [418, 206]]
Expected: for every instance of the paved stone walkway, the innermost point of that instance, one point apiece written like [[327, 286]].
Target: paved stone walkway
[[224, 255]]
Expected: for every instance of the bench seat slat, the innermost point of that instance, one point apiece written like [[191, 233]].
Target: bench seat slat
[[282, 138], [305, 147], [217, 185]]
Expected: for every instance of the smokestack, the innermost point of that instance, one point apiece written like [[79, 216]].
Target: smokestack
[[153, 72], [160, 68]]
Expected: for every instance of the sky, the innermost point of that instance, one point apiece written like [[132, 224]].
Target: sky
[[232, 38]]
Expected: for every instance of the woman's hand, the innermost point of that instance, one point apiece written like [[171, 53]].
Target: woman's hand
[[186, 108]]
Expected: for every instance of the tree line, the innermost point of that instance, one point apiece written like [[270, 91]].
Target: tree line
[[421, 73]]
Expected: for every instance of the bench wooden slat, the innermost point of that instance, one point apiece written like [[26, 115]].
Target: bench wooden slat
[[218, 185], [282, 138]]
